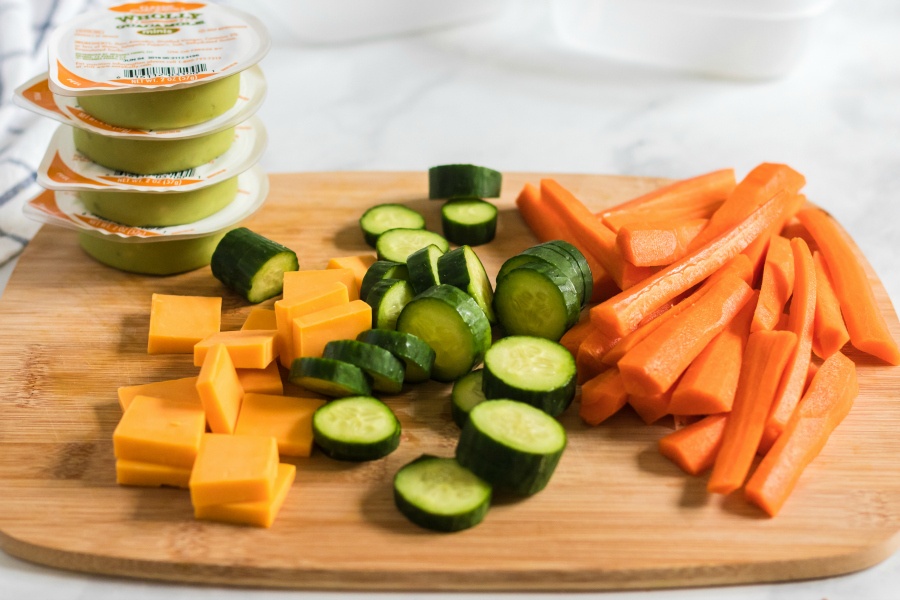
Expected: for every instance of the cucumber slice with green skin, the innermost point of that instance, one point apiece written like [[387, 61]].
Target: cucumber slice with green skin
[[356, 428], [512, 262], [416, 355], [536, 299], [530, 369], [511, 445], [378, 270], [329, 377], [440, 494], [470, 221], [398, 244], [466, 394], [423, 268], [462, 268], [383, 217], [561, 260], [383, 368], [387, 300], [452, 323], [587, 276], [252, 265], [463, 181]]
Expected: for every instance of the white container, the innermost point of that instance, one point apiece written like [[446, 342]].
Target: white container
[[748, 39]]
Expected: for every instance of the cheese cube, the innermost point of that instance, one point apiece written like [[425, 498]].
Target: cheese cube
[[179, 322], [260, 319], [248, 349], [261, 513], [311, 332], [261, 381], [171, 389], [286, 418], [358, 264], [132, 472], [318, 297], [160, 431], [220, 390], [298, 283], [234, 468]]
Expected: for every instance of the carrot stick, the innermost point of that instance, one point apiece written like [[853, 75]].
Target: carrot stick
[[829, 333], [657, 243], [801, 318], [654, 364], [576, 334], [588, 360], [868, 329], [694, 447], [757, 250], [651, 408], [709, 384], [739, 266], [763, 363], [602, 397], [825, 404], [622, 313], [777, 284]]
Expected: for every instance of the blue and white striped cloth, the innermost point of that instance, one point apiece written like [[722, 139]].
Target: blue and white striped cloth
[[24, 28]]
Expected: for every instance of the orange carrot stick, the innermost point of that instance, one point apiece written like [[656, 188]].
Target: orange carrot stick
[[602, 397], [657, 243], [868, 330], [576, 334], [694, 447], [651, 408], [756, 251], [777, 284], [588, 360], [709, 384], [763, 363], [654, 364], [829, 333], [739, 266], [825, 404]]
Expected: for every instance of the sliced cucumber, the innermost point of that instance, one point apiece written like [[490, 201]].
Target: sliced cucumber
[[382, 217], [440, 494], [453, 324], [387, 300], [536, 299], [417, 356], [423, 268], [466, 394], [511, 445], [463, 181], [533, 370], [560, 259], [252, 265], [398, 244], [462, 268], [512, 262], [383, 368], [378, 270], [329, 377], [356, 428], [587, 276], [470, 221]]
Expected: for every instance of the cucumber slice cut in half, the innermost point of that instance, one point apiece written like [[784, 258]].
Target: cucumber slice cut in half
[[252, 265], [463, 181], [382, 217], [453, 324], [329, 377], [536, 299], [423, 268], [387, 299], [417, 356], [440, 494], [533, 370], [398, 244], [384, 369], [511, 445], [462, 268], [356, 428], [378, 270], [469, 221], [466, 394]]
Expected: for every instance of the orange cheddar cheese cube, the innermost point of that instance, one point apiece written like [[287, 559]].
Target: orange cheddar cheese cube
[[248, 348], [234, 468], [358, 264], [261, 513], [160, 431], [298, 283], [260, 319], [220, 390], [132, 472], [179, 322], [311, 332], [261, 381], [316, 298], [171, 389], [286, 418]]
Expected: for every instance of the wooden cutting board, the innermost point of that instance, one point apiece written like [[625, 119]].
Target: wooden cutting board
[[615, 515]]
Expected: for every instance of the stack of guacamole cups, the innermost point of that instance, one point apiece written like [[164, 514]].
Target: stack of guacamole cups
[[157, 155]]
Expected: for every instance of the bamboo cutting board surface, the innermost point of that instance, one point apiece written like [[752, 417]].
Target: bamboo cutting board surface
[[615, 515]]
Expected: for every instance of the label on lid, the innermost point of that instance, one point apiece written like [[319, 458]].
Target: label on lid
[[152, 45]]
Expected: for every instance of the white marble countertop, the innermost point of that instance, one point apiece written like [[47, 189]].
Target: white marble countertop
[[504, 93]]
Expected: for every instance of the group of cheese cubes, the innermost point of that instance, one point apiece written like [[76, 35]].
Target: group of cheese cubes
[[221, 434]]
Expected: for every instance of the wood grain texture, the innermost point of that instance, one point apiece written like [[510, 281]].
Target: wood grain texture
[[615, 515]]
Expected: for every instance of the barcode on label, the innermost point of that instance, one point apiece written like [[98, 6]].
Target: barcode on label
[[186, 174], [164, 71]]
